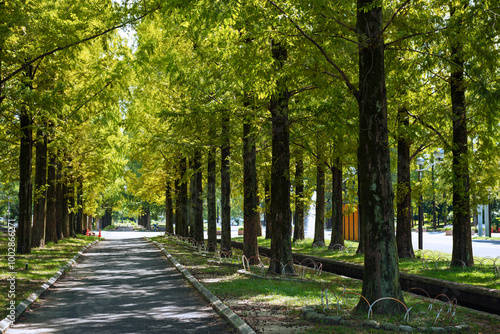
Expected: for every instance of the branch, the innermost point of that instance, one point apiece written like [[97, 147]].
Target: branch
[[348, 83], [353, 29], [59, 48], [414, 35], [433, 129], [393, 17], [89, 99], [300, 90]]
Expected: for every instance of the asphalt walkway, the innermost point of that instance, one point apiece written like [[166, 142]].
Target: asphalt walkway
[[121, 286]]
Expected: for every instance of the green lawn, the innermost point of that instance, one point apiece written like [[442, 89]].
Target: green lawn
[[426, 263], [224, 282]]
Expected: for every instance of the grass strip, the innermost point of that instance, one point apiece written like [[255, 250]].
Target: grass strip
[[432, 264], [247, 294]]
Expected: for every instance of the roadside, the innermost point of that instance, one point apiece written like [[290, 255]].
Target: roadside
[[275, 306]]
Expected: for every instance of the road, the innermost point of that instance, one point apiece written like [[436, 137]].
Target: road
[[121, 286]]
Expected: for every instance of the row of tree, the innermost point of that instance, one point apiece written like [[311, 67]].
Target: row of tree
[[308, 84], [264, 92]]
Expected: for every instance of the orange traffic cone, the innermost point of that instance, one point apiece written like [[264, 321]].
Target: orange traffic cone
[[99, 233], [87, 232]]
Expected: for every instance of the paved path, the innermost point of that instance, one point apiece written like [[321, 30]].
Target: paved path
[[121, 286]]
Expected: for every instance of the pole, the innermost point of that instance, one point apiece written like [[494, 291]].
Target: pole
[[420, 216], [434, 226]]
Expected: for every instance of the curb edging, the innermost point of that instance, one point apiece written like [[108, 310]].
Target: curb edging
[[7, 322], [232, 318]]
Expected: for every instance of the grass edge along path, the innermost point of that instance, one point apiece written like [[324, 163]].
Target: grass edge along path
[[232, 318], [14, 313], [479, 321]]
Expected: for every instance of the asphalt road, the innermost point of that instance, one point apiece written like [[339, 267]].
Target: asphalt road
[[121, 286]]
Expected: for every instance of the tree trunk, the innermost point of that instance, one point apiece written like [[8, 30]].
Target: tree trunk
[[211, 200], [225, 187], [25, 187], [403, 198], [337, 212], [267, 209], [51, 230], [59, 201], [198, 198], [250, 204], [298, 232], [71, 203], [376, 212], [169, 210], [281, 232], [65, 210], [40, 205], [319, 222], [462, 239], [107, 220], [79, 201], [182, 201]]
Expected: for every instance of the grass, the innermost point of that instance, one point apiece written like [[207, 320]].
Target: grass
[[426, 263], [224, 282], [42, 263]]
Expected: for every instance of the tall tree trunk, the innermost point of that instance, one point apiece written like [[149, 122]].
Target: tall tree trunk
[[71, 204], [51, 229], [169, 209], [298, 232], [211, 199], [25, 187], [192, 199], [225, 187], [198, 198], [64, 208], [59, 201], [403, 196], [337, 212], [267, 209], [376, 212], [462, 240], [40, 205], [319, 222], [281, 232], [182, 201], [250, 204], [79, 201]]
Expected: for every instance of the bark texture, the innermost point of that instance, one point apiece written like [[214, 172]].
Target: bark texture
[[250, 213], [298, 232], [462, 239], [51, 230], [337, 239], [25, 186], [169, 209], [211, 199], [225, 180], [198, 198], [376, 212], [403, 199], [319, 222], [40, 203], [281, 232]]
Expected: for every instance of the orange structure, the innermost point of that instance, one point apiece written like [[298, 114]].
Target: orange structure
[[351, 223]]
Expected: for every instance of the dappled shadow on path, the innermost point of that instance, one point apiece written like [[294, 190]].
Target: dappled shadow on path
[[121, 286]]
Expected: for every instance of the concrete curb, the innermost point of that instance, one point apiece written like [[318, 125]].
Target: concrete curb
[[6, 322], [232, 318]]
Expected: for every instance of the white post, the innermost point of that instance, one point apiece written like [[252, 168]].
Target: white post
[[480, 220], [486, 221]]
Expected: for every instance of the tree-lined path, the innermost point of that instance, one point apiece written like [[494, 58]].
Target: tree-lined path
[[121, 286]]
